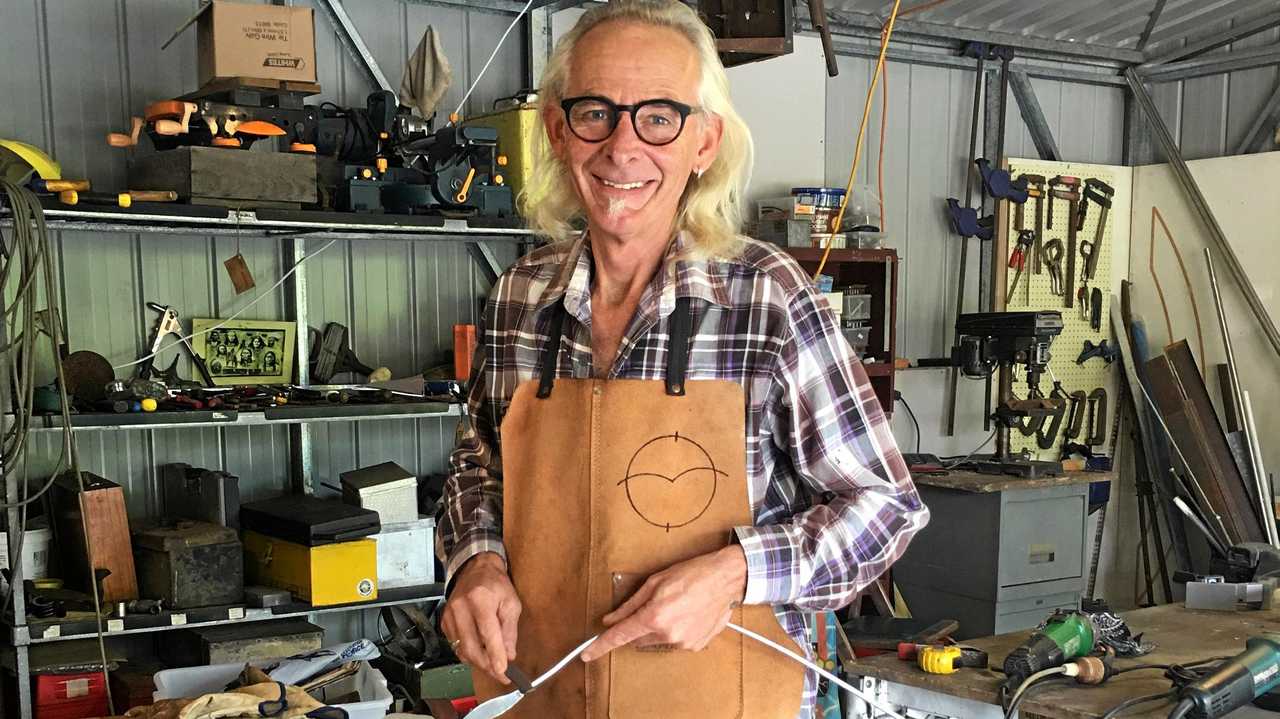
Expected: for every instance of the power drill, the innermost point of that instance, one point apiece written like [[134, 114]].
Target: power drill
[[1066, 635], [1236, 682]]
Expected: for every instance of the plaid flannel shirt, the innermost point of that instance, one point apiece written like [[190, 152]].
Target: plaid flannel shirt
[[833, 502]]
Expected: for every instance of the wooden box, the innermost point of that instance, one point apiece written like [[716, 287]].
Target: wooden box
[[228, 177], [108, 545]]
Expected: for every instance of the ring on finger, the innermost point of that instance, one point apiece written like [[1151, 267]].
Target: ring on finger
[[453, 645]]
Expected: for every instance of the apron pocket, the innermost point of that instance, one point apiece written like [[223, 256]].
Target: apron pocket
[[675, 684]]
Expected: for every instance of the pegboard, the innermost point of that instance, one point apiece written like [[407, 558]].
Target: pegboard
[[1076, 327]]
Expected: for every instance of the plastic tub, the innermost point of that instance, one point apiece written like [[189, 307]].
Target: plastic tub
[[196, 681]]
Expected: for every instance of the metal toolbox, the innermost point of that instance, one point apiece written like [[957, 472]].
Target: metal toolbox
[[240, 643], [405, 556], [387, 488], [189, 564], [204, 494]]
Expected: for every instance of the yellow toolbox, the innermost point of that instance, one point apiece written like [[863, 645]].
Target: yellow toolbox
[[329, 574], [515, 128]]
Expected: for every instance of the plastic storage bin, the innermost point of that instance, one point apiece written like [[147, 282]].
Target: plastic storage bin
[[195, 681]]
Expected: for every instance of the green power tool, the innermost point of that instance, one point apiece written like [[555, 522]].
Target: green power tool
[[1234, 683], [1066, 635]]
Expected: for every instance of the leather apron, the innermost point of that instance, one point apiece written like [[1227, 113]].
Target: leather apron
[[606, 482]]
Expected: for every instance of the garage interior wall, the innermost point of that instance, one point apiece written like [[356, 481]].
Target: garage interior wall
[[89, 65], [83, 71]]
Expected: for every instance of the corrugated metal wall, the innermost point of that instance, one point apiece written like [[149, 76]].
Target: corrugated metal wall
[[76, 69], [1209, 116]]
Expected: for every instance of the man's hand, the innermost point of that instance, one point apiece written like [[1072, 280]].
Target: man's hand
[[685, 605], [481, 615]]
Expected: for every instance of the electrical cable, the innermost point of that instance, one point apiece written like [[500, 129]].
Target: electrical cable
[[1047, 682], [1038, 676], [962, 460], [862, 133], [261, 295], [903, 400], [1125, 706], [886, 711], [31, 240], [489, 62]]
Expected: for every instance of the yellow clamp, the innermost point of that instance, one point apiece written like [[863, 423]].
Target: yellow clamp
[[939, 660]]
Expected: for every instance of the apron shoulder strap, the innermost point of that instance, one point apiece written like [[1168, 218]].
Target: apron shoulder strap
[[551, 352], [678, 346]]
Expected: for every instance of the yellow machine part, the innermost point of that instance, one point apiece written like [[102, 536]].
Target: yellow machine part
[[46, 167], [330, 574], [516, 141]]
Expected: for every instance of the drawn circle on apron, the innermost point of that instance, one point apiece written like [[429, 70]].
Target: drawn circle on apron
[[671, 501]]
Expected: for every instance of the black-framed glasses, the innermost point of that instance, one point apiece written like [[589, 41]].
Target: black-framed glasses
[[656, 122]]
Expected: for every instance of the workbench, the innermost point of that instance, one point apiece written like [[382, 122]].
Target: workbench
[[1180, 635], [1000, 553]]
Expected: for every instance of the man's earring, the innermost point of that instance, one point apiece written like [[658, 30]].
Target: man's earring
[[698, 172]]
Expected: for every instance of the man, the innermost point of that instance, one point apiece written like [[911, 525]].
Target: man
[[652, 346]]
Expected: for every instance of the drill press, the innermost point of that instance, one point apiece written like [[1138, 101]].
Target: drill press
[[992, 343]]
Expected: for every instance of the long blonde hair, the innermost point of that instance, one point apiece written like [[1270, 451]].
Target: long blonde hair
[[710, 211]]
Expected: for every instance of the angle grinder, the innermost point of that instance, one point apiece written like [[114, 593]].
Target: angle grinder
[[1066, 635]]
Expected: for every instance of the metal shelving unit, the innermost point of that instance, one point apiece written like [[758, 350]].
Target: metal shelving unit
[[294, 228], [44, 631]]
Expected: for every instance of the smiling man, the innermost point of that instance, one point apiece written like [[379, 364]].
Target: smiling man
[[669, 430]]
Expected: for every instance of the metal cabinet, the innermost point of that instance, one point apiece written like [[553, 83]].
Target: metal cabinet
[[999, 554]]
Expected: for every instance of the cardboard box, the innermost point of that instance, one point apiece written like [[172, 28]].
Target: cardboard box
[[271, 42]]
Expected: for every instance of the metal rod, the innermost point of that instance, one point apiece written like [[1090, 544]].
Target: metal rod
[[350, 38], [1215, 40], [1152, 19], [964, 241], [1236, 397], [1201, 206], [1204, 528], [1214, 64], [1033, 116], [1265, 494], [1263, 125]]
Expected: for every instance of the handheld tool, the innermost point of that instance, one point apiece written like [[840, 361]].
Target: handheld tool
[[1099, 192], [1045, 439], [167, 324], [1103, 349], [1018, 261], [1000, 185], [1063, 183], [333, 355], [1235, 683], [1065, 636], [939, 659], [1053, 259], [1035, 189], [1097, 417], [1095, 309], [1075, 418]]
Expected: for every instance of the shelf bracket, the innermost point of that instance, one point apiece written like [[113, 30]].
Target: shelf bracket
[[482, 255], [350, 38]]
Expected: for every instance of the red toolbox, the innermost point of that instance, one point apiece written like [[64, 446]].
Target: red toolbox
[[70, 696]]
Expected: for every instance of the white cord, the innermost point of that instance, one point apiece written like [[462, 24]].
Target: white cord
[[241, 311], [1038, 676], [560, 664], [833, 678], [494, 54]]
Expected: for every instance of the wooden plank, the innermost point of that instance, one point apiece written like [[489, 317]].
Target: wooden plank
[[982, 483], [249, 179], [1181, 635], [1197, 394], [1188, 435]]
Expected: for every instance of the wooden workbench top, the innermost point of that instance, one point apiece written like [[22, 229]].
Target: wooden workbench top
[[978, 483], [1180, 636]]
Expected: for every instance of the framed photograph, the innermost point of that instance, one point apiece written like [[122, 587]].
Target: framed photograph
[[246, 351]]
